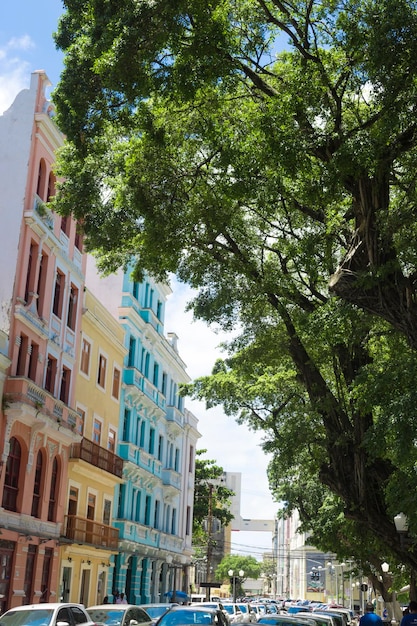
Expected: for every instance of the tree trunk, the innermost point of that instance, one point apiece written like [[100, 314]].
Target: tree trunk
[[370, 275]]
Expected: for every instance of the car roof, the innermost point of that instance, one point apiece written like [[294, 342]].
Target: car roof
[[193, 607], [110, 605], [46, 605]]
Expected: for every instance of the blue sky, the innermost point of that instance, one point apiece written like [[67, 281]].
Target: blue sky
[[26, 45]]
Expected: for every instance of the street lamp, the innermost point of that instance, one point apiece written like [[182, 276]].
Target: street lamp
[[232, 575]]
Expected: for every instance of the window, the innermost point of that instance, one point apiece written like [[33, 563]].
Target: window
[[111, 444], [188, 521], [164, 383], [136, 290], [116, 383], [107, 512], [33, 361], [132, 348], [97, 431], [51, 187], [46, 575], [23, 342], [58, 294], [177, 460], [51, 368], [65, 225], [160, 447], [101, 373], [53, 492], [191, 460], [151, 449], [30, 272], [147, 510], [155, 374], [142, 434], [174, 521], [80, 421], [158, 309], [78, 241], [11, 480], [29, 571], [85, 356], [37, 486], [146, 368], [156, 516], [40, 187], [43, 271], [65, 385], [72, 308]]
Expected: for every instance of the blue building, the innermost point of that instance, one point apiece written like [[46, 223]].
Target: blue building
[[157, 440]]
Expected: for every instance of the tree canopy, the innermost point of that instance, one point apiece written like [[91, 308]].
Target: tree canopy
[[265, 151]]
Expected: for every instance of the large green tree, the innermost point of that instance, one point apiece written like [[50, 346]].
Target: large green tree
[[282, 187]]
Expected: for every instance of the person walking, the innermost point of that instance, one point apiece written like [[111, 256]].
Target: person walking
[[370, 618], [410, 618]]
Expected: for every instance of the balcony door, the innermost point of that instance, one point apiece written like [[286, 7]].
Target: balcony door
[[72, 512]]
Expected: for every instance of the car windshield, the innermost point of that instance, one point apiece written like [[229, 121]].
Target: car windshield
[[27, 618], [111, 616]]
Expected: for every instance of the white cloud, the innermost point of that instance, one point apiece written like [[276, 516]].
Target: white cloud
[[14, 70]]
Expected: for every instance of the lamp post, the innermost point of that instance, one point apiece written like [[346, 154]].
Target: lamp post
[[233, 577]]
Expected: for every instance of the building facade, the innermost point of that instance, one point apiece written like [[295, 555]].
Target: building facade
[[157, 441], [97, 451], [42, 277], [89, 540]]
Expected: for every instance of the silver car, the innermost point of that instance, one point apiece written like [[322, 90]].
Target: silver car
[[47, 614]]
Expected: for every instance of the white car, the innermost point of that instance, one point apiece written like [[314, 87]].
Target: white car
[[233, 611], [120, 615], [47, 614], [214, 605], [248, 614]]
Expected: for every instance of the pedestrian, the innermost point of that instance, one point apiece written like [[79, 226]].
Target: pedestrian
[[106, 600], [410, 618], [122, 599], [370, 618]]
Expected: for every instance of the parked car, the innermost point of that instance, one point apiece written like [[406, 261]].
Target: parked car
[[193, 614], [119, 615], [248, 614], [47, 614], [155, 611], [214, 605], [233, 611], [287, 620]]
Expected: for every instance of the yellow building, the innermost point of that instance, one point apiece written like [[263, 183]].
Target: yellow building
[[90, 540]]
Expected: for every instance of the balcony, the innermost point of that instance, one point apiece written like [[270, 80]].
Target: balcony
[[172, 478], [82, 530], [94, 454], [19, 390], [132, 377], [175, 415]]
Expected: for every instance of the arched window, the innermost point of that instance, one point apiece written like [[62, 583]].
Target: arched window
[[11, 480], [37, 486], [51, 186], [53, 492], [40, 188]]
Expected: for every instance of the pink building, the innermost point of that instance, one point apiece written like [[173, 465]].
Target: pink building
[[42, 279]]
